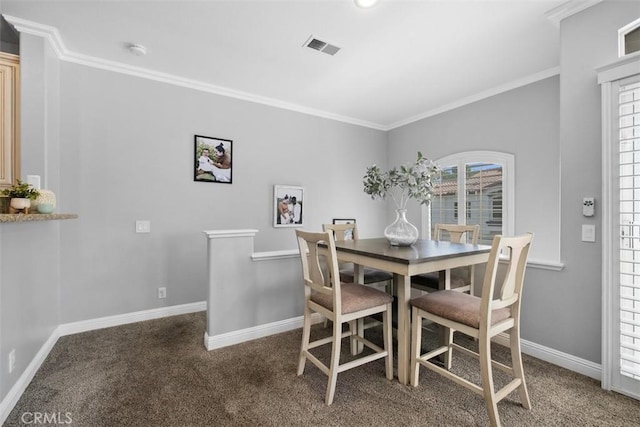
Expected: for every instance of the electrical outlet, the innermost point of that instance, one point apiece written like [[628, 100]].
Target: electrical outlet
[[12, 360], [162, 292]]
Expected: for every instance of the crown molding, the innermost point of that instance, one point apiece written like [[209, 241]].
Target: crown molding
[[52, 35], [568, 9], [550, 72]]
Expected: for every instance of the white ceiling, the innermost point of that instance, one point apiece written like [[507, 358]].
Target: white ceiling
[[399, 61]]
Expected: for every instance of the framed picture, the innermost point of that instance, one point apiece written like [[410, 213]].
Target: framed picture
[[344, 220], [348, 234], [288, 206], [212, 158]]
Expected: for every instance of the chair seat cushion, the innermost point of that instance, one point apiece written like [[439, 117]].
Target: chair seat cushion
[[457, 306], [431, 281], [371, 275], [354, 298]]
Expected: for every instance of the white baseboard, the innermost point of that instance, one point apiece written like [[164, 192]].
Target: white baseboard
[[564, 360], [123, 319], [248, 334], [10, 400]]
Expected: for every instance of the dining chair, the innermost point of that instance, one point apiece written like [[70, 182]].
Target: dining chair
[[481, 318], [343, 232], [341, 303], [461, 278], [372, 276]]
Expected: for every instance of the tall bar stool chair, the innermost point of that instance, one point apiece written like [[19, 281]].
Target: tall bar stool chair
[[340, 303], [481, 318], [461, 278]]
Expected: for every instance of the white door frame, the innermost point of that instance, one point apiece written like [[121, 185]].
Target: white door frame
[[607, 77]]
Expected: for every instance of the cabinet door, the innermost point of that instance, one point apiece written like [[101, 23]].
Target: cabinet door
[[9, 129]]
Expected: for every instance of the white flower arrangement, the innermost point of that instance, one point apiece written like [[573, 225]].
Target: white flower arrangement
[[410, 181]]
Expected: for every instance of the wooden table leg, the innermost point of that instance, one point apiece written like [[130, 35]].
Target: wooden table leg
[[357, 347], [402, 285], [445, 333]]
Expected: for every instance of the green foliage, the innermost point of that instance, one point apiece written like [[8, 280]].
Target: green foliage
[[21, 190], [410, 181]]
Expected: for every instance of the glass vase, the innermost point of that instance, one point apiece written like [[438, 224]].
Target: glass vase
[[401, 232]]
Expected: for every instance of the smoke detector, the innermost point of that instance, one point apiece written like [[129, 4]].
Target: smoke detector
[[137, 49], [365, 3]]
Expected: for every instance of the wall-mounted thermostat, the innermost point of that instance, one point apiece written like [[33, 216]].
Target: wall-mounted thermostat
[[588, 206]]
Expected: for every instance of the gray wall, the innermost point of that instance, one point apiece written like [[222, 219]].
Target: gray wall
[[588, 41], [555, 133], [116, 148], [30, 252], [127, 154], [523, 122]]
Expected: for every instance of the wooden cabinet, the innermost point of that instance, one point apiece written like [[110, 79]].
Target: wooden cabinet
[[9, 119]]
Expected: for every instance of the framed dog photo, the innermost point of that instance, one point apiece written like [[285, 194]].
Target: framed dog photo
[[212, 158], [288, 206]]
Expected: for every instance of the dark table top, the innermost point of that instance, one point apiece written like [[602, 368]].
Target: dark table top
[[422, 251]]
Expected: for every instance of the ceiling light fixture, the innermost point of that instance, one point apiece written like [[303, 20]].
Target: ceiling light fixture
[[137, 49], [365, 3]]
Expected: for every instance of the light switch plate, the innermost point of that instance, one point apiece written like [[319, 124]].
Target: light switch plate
[[34, 181], [143, 226], [588, 233]]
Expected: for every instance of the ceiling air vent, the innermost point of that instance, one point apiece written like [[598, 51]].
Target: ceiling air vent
[[321, 46]]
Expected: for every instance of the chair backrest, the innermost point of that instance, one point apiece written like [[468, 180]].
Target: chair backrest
[[456, 232], [320, 264], [509, 290], [341, 232]]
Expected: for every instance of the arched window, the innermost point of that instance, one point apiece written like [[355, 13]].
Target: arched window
[[475, 187]]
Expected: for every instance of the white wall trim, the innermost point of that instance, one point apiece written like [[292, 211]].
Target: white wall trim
[[623, 67], [54, 38], [275, 255], [607, 246], [52, 35], [12, 397], [260, 331], [555, 357], [545, 74], [545, 265], [609, 78], [568, 9], [123, 319], [564, 360], [223, 234]]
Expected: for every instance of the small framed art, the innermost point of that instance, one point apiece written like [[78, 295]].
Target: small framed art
[[288, 206], [348, 234], [212, 158]]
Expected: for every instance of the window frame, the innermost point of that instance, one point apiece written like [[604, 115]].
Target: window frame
[[622, 34], [460, 160]]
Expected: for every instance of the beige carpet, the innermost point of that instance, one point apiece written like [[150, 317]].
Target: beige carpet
[[158, 373]]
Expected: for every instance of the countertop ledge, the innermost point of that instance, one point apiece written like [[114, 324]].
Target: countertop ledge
[[34, 217]]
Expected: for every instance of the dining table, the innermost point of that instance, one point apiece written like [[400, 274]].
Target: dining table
[[424, 256]]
